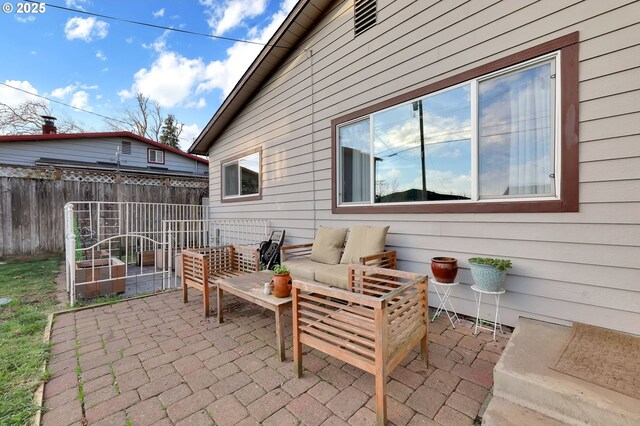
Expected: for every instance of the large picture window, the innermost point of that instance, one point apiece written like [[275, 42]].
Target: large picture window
[[241, 177], [487, 143]]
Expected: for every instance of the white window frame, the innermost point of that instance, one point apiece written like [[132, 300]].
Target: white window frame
[[236, 161], [473, 83], [156, 153]]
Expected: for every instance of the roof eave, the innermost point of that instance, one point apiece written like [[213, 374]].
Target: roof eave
[[255, 74]]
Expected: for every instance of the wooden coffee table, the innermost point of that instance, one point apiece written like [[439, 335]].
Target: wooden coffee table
[[250, 287]]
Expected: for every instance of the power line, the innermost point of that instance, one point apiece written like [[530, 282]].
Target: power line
[[74, 107], [161, 27], [62, 103]]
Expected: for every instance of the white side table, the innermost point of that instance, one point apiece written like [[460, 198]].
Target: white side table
[[477, 293], [444, 298]]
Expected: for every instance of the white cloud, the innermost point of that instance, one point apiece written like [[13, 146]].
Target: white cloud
[[158, 13], [189, 134], [170, 79], [105, 69], [80, 99], [29, 18], [85, 29], [225, 74], [228, 14], [159, 44], [62, 92], [129, 40], [101, 55], [98, 97], [175, 80], [14, 97], [75, 4]]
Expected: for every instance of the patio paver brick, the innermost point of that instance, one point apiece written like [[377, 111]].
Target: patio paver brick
[[111, 406], [347, 402], [449, 417], [227, 411], [268, 404], [308, 410], [146, 413]]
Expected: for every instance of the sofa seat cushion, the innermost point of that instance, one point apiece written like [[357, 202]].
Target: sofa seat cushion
[[303, 268], [327, 246], [333, 275], [364, 241]]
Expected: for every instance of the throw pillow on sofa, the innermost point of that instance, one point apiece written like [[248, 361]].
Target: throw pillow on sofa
[[364, 241], [327, 246]]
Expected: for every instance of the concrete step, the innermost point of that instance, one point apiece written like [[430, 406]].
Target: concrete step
[[504, 413], [522, 376]]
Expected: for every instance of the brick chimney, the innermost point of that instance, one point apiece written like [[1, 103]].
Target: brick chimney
[[49, 126]]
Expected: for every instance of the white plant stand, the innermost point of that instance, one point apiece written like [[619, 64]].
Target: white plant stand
[[444, 299], [477, 293]]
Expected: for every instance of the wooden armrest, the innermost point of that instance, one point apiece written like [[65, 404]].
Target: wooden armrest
[[297, 250], [298, 246], [385, 259], [338, 293]]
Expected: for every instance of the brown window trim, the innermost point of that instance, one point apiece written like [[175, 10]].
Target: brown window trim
[[569, 117], [238, 199], [156, 162]]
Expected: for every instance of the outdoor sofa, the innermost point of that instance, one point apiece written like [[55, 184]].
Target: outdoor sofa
[[326, 260]]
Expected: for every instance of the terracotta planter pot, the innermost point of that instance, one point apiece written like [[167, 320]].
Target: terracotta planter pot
[[444, 269], [281, 285]]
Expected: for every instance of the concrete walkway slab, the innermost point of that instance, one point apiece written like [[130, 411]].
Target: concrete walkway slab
[[523, 377]]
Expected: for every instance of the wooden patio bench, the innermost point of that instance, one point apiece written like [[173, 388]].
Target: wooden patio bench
[[372, 325], [202, 267]]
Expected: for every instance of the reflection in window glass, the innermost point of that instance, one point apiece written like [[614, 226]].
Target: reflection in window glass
[[231, 180], [516, 145], [444, 143], [250, 174], [354, 141]]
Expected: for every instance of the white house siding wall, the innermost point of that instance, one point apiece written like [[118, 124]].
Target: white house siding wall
[[26, 153], [581, 266]]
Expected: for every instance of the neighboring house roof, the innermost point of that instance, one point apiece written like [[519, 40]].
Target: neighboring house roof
[[301, 19], [101, 135]]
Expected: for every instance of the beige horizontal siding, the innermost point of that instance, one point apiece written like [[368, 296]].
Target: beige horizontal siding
[[581, 266]]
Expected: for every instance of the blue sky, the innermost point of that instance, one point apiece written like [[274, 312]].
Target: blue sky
[[98, 64]]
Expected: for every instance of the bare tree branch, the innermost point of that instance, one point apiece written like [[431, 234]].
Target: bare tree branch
[[25, 119]]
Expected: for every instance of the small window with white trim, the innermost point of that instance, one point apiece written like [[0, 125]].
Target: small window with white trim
[[155, 156], [241, 177]]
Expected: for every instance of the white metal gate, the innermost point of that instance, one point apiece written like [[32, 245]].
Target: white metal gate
[[135, 248]]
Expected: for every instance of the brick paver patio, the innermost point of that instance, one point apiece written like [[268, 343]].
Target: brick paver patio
[[157, 361]]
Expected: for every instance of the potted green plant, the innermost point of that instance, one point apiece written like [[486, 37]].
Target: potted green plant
[[281, 282], [489, 273]]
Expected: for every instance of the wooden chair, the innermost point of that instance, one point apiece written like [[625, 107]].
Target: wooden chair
[[203, 266], [373, 325]]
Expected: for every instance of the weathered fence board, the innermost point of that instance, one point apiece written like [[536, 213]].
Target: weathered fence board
[[32, 210]]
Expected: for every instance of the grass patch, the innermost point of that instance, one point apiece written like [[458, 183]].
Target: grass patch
[[22, 322], [109, 299]]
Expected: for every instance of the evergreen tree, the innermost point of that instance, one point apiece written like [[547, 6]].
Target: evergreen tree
[[171, 132]]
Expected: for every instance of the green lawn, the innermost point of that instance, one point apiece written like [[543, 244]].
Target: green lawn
[[31, 286]]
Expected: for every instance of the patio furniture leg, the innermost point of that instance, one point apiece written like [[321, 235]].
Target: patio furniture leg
[[424, 350], [205, 295], [220, 303], [381, 399], [478, 303], [185, 295], [280, 333], [297, 346]]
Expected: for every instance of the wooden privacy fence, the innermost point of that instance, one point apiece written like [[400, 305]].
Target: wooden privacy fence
[[31, 206]]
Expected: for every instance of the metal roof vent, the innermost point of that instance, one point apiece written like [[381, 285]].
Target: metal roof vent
[[364, 16]]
